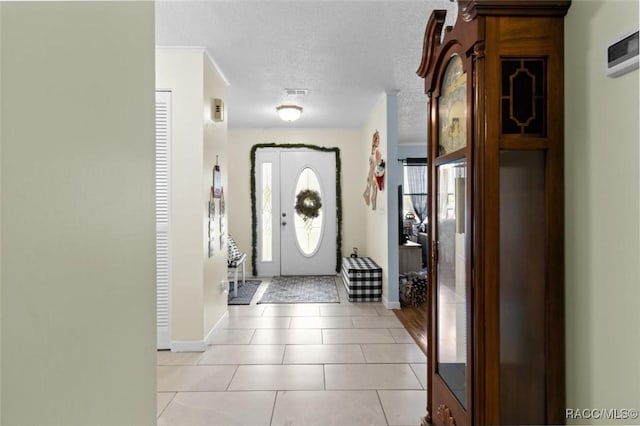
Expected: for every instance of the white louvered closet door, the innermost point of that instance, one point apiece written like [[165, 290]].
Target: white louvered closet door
[[163, 152]]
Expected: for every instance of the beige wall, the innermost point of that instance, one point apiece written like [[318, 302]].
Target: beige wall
[[602, 213], [78, 267], [215, 144], [353, 177], [0, 213], [197, 302], [181, 71], [376, 221]]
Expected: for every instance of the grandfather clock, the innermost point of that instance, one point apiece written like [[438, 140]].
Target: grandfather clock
[[496, 293]]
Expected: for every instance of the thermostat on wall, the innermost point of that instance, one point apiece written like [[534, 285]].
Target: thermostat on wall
[[217, 110], [622, 55]]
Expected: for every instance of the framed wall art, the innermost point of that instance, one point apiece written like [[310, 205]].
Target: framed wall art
[[221, 219], [217, 180]]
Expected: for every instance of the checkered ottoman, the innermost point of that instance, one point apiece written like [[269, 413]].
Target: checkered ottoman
[[362, 279]]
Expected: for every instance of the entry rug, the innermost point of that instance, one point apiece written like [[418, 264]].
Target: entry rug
[[307, 289], [245, 292]]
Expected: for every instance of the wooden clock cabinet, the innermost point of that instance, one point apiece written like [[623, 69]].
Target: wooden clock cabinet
[[496, 268]]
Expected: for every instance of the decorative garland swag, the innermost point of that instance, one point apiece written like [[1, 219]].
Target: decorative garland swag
[[254, 217]]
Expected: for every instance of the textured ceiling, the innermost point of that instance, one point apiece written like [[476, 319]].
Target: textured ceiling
[[346, 53]]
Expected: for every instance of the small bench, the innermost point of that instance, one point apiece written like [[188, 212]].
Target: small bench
[[235, 260]]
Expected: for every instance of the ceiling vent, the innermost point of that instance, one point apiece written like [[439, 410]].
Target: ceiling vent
[[296, 92]]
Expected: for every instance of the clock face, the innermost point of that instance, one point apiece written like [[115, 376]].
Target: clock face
[[452, 107]]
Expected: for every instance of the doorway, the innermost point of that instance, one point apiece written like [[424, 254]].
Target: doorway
[[296, 215]]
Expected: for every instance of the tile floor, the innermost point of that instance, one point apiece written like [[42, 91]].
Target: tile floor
[[345, 364]]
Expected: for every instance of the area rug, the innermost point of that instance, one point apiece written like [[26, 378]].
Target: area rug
[[307, 289], [245, 292]]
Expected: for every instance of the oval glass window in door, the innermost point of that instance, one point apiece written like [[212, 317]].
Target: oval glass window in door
[[308, 218]]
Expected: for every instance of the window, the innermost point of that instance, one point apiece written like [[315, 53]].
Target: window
[[414, 194], [267, 213], [308, 228]]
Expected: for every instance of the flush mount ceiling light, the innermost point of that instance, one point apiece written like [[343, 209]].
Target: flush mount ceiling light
[[289, 112]]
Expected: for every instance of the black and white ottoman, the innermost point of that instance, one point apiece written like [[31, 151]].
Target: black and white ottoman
[[362, 279]]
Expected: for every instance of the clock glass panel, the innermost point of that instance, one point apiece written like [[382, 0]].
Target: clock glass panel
[[452, 107]]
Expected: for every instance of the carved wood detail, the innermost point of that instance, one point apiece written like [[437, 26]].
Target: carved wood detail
[[471, 9], [478, 50], [426, 420], [431, 41], [444, 414]]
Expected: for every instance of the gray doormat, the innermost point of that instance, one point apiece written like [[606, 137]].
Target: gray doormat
[[245, 292], [307, 289]]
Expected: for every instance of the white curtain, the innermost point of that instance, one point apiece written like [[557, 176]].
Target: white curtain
[[417, 182]]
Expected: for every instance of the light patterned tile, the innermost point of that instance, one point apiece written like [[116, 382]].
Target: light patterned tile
[[231, 336], [278, 377], [383, 311], [256, 322], [219, 408], [243, 354], [403, 407], [356, 335], [321, 322], [323, 354], [401, 335], [393, 353], [182, 378], [290, 336], [320, 408], [421, 372], [370, 376], [340, 366], [246, 310], [292, 311], [348, 310], [178, 358], [163, 399], [376, 322]]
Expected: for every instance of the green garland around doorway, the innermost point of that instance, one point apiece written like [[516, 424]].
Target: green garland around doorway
[[254, 217]]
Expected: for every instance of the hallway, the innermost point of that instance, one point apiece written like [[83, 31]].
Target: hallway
[[302, 364]]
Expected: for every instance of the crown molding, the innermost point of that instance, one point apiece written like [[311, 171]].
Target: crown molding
[[200, 49]]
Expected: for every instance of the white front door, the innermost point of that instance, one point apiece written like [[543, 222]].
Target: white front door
[[308, 244], [294, 242]]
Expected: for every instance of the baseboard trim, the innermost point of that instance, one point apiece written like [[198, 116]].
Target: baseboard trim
[[198, 345], [188, 346], [216, 326], [390, 305]]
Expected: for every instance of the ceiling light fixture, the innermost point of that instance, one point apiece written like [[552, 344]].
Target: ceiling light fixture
[[289, 112]]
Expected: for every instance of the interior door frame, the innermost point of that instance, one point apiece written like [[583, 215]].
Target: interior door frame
[[254, 209]]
